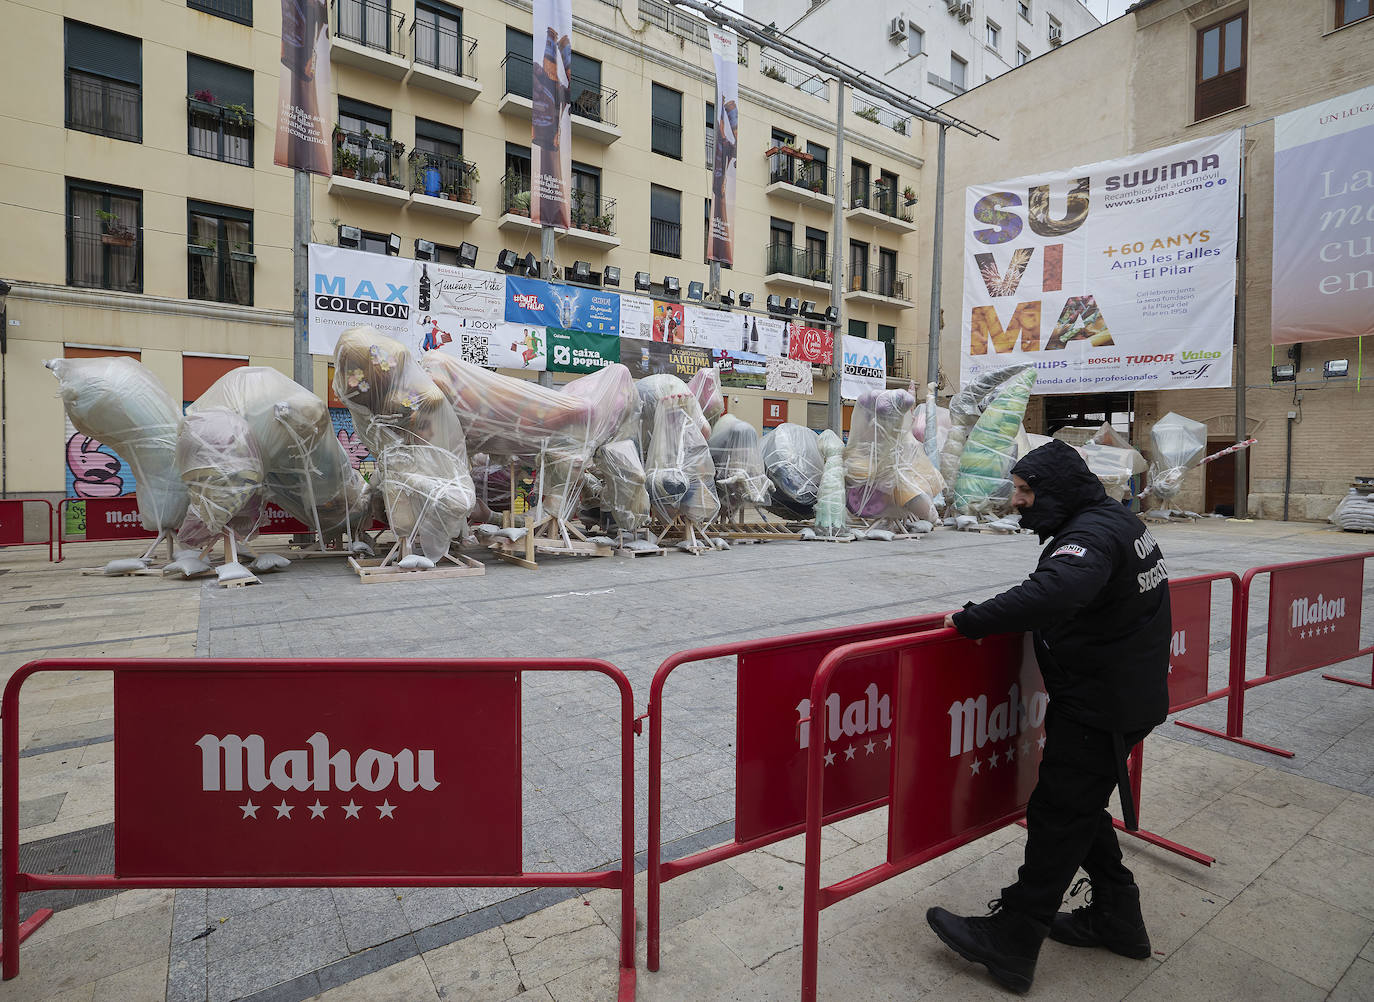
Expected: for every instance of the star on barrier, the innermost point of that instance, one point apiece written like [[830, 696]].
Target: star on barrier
[[1041, 742], [250, 810], [992, 760], [386, 810], [284, 809], [1011, 752], [973, 766], [317, 809], [849, 753], [830, 758], [868, 748], [887, 740], [351, 810]]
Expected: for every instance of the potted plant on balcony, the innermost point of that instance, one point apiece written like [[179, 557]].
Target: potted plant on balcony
[[580, 219], [899, 126], [467, 177], [909, 193], [520, 204], [116, 232], [237, 113], [338, 134], [200, 247], [345, 162], [868, 113], [602, 224], [773, 73], [371, 169]]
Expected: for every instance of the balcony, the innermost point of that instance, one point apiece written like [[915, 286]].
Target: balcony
[[105, 107], [879, 205], [367, 167], [367, 35], [665, 237], [806, 81], [899, 368], [593, 221], [217, 132], [593, 106], [111, 260], [799, 177], [443, 185], [797, 268], [443, 61], [878, 115], [879, 287]]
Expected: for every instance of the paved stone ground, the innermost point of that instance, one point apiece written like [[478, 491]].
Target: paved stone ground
[[395, 942]]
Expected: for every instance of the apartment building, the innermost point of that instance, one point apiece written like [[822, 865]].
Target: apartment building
[[147, 218], [1166, 72]]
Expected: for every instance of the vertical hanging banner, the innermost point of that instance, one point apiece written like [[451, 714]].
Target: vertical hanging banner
[[721, 243], [1323, 285], [770, 335], [304, 89], [551, 148], [1112, 276], [865, 366]]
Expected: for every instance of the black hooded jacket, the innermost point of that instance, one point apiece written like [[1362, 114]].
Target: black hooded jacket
[[1098, 601]]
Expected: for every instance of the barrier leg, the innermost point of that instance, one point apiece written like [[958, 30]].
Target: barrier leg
[[1355, 682], [26, 929], [9, 831], [655, 877]]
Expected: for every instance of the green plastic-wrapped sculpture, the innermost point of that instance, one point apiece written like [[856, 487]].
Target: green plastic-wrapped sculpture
[[982, 486]]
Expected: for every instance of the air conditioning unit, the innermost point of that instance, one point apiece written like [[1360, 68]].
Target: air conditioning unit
[[965, 13], [954, 5], [896, 29], [1056, 36]]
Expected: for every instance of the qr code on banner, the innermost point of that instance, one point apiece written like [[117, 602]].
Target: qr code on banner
[[475, 348]]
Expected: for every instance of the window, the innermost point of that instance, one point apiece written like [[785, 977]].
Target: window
[[958, 71], [104, 82], [438, 148], [104, 237], [666, 123], [887, 271], [200, 372], [219, 111], [710, 134], [779, 247], [817, 171], [817, 261], [517, 180], [1022, 55], [859, 194], [219, 253], [782, 166], [374, 243], [367, 22], [1056, 31], [994, 35], [915, 40], [585, 91], [858, 265], [1220, 67], [585, 195], [233, 10], [367, 135], [888, 336], [518, 64], [665, 221], [439, 36], [1350, 11], [887, 193], [1024, 9], [858, 328]]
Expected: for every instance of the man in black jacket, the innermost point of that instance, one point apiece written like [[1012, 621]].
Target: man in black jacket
[[1098, 606]]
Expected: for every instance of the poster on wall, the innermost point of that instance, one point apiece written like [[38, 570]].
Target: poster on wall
[[551, 115], [1323, 286], [810, 344], [770, 336], [636, 317], [668, 322], [505, 346], [741, 369], [787, 375], [304, 90], [351, 287], [1112, 276], [579, 352], [720, 244], [460, 292], [532, 301], [865, 366], [717, 329], [648, 358]]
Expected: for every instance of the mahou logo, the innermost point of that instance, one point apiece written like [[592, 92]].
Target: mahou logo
[[1316, 616], [871, 712], [228, 761], [971, 726]]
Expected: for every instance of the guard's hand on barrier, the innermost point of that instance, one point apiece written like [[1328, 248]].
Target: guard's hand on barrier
[[949, 622]]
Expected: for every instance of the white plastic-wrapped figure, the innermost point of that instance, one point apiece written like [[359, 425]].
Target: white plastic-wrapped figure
[[415, 434], [1179, 443], [118, 402], [830, 507], [219, 461], [887, 474], [792, 459], [738, 457], [680, 476], [705, 386], [652, 389]]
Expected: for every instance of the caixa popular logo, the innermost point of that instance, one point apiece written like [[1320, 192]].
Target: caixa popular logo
[[335, 294], [972, 726], [228, 762]]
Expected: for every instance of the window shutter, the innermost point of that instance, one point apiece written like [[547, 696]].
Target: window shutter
[[105, 53], [1221, 93], [229, 84]]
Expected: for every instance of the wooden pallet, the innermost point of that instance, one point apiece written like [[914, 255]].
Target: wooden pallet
[[373, 570], [755, 531], [251, 579], [550, 536]]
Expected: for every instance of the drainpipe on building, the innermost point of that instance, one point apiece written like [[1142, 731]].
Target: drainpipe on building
[[4, 392]]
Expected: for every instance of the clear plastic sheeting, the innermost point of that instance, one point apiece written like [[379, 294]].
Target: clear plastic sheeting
[[654, 388], [830, 512], [680, 476], [983, 486], [931, 415], [414, 432], [1179, 443], [622, 490], [740, 477], [887, 474], [219, 461], [705, 386], [306, 469], [792, 460], [118, 402], [965, 409]]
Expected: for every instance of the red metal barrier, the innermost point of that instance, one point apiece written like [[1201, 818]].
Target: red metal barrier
[[290, 729], [774, 677], [1314, 621], [960, 706], [12, 523]]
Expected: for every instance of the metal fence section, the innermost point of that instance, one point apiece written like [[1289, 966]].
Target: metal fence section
[[441, 48], [806, 81], [369, 22]]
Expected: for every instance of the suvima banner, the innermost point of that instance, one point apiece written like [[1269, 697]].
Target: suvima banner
[[351, 287], [1112, 276], [1323, 283], [720, 244], [304, 89], [551, 115]]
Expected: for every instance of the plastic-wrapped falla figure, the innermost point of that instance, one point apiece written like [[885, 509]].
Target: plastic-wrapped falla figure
[[738, 457], [680, 475]]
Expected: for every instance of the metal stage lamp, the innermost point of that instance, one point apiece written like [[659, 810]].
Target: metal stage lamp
[[393, 245], [643, 282], [727, 298], [350, 236], [672, 287], [467, 255], [789, 306], [1336, 368], [774, 304], [530, 266], [1285, 372], [611, 276], [582, 272], [746, 300], [808, 310], [695, 290], [832, 315], [507, 261], [424, 250]]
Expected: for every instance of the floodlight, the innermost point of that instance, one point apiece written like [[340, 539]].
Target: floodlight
[[611, 276], [1336, 368], [1285, 373], [507, 260], [695, 290], [350, 236], [424, 250], [746, 300], [393, 245], [672, 287], [642, 281], [467, 255]]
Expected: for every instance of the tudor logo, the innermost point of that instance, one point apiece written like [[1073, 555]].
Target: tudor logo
[[226, 762]]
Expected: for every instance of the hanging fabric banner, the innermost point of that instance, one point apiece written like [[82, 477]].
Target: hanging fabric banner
[[304, 91], [721, 243], [810, 344], [551, 149], [717, 329], [352, 287], [865, 366], [1323, 283]]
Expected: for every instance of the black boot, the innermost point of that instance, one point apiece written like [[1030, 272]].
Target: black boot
[[1006, 942], [1110, 919]]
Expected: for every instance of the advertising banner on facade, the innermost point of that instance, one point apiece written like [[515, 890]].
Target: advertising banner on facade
[[741, 369], [304, 91], [770, 335], [720, 241], [531, 301], [295, 773], [579, 352], [1113, 276], [506, 346], [810, 344], [865, 366], [351, 287], [1323, 283], [1314, 615], [551, 149], [668, 322], [453, 302], [636, 317], [787, 375], [717, 329], [648, 358]]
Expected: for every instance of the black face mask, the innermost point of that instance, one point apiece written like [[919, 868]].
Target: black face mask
[[1062, 484]]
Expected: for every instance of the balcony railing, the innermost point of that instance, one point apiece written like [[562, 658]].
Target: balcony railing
[[103, 261], [688, 26], [665, 137], [880, 198], [442, 48], [593, 212], [665, 237], [515, 194], [795, 169], [871, 112], [370, 23], [106, 107], [219, 273], [804, 81], [880, 282], [938, 81], [588, 99], [368, 157], [798, 262], [219, 133], [438, 174], [899, 363]]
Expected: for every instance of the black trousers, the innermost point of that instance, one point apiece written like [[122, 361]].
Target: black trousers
[[1067, 822]]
